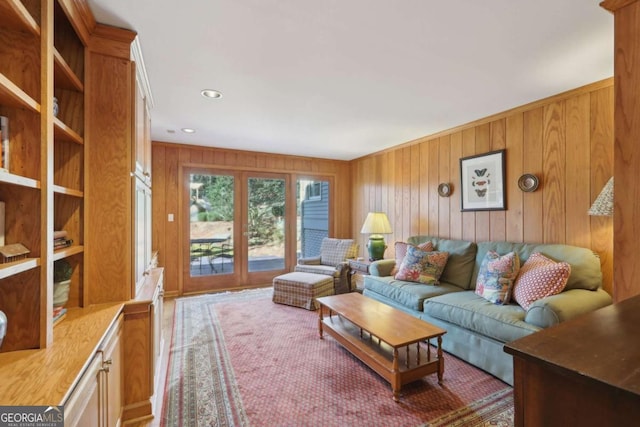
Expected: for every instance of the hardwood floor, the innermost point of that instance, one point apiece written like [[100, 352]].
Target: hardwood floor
[[167, 333]]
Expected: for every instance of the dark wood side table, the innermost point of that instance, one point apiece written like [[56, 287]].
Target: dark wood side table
[[582, 372], [358, 268]]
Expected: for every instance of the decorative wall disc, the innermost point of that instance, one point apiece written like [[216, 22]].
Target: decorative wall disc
[[444, 189], [528, 183]]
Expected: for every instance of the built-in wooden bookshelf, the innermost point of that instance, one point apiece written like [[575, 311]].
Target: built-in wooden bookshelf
[[41, 57], [24, 295], [72, 168]]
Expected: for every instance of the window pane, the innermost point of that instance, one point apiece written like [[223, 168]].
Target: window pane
[[313, 216]]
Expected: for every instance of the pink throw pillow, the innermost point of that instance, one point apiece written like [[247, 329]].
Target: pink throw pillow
[[540, 277], [401, 252]]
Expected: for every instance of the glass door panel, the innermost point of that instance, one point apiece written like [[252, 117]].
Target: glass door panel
[[239, 228], [211, 224], [266, 224]]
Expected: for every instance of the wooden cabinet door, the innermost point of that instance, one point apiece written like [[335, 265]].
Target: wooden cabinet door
[[156, 333], [142, 134], [142, 233], [83, 408], [113, 375]]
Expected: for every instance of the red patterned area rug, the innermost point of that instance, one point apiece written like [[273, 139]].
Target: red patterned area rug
[[238, 359]]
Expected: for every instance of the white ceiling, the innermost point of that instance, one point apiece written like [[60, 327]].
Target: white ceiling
[[343, 78]]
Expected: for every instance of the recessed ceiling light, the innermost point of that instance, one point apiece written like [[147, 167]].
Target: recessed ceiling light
[[210, 93], [188, 130]]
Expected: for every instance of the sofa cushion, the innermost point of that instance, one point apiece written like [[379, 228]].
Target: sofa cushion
[[496, 276], [540, 277], [421, 266], [586, 272], [462, 257], [470, 311], [318, 269], [401, 251], [407, 294]]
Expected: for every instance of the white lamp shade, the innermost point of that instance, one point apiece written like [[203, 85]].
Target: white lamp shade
[[376, 223], [603, 204]]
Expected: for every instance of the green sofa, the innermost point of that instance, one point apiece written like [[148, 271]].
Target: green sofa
[[476, 328]]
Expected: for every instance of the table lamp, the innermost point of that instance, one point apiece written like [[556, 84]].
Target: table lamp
[[376, 224]]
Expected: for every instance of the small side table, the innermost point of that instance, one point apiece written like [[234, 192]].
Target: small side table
[[359, 268]]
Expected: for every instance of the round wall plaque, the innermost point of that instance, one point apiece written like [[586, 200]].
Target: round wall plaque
[[528, 183], [444, 189]]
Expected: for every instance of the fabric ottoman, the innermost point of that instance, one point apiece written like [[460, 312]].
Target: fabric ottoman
[[301, 289]]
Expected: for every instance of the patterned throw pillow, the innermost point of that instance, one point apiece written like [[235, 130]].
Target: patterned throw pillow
[[496, 276], [421, 266], [540, 277], [401, 251]]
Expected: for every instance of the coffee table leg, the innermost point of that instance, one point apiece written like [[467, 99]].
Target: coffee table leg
[[320, 321], [395, 384], [440, 361]]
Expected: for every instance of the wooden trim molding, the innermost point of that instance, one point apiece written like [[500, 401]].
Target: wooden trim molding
[[112, 41], [613, 5]]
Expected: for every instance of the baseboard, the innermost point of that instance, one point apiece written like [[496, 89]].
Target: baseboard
[[137, 412]]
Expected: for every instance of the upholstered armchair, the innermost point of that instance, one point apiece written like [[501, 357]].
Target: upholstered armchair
[[332, 261]]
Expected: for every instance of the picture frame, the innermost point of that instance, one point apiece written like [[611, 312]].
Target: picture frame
[[482, 182]]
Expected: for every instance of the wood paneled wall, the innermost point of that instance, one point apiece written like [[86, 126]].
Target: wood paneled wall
[[565, 140], [167, 164], [627, 147]]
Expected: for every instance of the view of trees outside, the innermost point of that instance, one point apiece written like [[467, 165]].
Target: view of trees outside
[[212, 210], [266, 212]]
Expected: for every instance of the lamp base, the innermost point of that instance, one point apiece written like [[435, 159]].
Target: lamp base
[[376, 247]]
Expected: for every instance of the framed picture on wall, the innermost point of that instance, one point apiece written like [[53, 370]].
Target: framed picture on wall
[[482, 182]]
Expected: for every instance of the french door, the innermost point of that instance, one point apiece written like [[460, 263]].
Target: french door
[[239, 228]]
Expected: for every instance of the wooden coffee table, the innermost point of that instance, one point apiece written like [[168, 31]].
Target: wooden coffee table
[[384, 338]]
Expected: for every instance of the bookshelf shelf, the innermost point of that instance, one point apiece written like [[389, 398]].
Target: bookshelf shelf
[[17, 267], [14, 15], [62, 132], [58, 189], [67, 252], [64, 76], [11, 95], [9, 178]]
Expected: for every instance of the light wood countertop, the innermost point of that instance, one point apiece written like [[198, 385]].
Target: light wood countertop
[[46, 376]]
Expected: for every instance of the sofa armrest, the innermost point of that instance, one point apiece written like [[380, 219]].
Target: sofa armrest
[[555, 309], [382, 267], [314, 260]]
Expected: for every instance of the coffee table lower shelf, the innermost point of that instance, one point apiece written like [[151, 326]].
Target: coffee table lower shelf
[[398, 366]]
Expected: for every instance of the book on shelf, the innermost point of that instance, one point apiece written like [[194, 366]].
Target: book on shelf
[[62, 243], [61, 240], [4, 140], [13, 252], [59, 234], [59, 313]]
